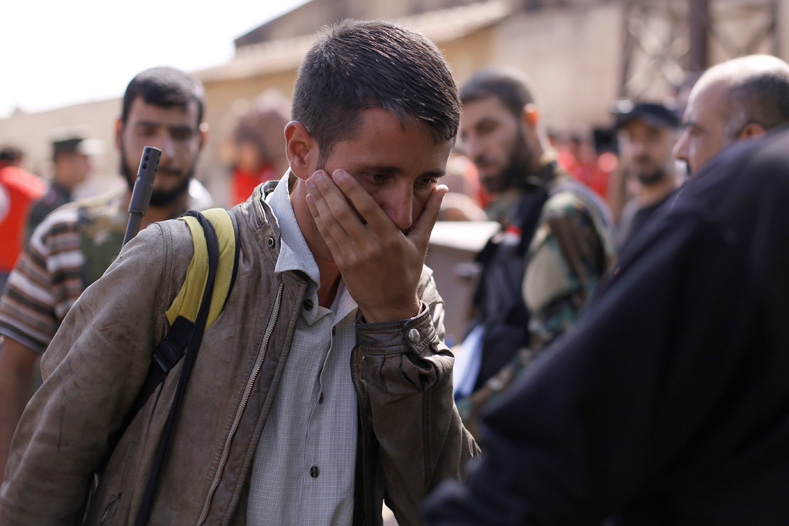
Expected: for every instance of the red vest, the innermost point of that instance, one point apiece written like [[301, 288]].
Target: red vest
[[18, 190]]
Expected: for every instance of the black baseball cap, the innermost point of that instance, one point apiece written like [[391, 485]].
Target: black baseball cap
[[74, 142], [654, 113]]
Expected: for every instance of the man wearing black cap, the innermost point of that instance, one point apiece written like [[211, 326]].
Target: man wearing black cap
[[646, 132], [71, 157]]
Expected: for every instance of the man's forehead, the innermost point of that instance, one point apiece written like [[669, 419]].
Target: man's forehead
[[489, 107], [707, 98], [141, 110], [635, 125], [489, 103]]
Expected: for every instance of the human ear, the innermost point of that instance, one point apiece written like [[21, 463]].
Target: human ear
[[203, 131], [751, 131], [530, 115], [118, 133], [301, 149]]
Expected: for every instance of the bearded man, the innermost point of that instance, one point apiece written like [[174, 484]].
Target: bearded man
[[74, 245], [554, 245]]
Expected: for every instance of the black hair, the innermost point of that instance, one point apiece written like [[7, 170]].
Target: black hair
[[164, 86], [510, 86], [762, 98], [356, 65]]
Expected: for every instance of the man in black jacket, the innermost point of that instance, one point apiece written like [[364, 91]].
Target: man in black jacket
[[674, 403]]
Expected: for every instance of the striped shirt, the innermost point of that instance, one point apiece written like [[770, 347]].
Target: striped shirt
[[53, 270], [47, 278], [304, 467]]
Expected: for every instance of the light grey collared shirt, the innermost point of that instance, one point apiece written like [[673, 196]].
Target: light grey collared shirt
[[305, 463]]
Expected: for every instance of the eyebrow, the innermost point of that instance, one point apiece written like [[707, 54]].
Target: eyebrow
[[485, 121], [157, 124], [394, 170]]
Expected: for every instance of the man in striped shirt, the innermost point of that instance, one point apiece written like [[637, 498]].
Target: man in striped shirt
[[75, 244]]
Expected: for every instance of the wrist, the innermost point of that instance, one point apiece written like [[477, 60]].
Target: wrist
[[390, 313]]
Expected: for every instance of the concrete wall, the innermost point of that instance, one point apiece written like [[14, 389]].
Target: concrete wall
[[466, 55], [572, 58], [32, 133]]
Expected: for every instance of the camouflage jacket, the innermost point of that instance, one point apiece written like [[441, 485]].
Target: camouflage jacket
[[571, 249]]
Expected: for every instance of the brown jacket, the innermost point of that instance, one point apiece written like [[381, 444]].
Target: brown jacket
[[410, 435]]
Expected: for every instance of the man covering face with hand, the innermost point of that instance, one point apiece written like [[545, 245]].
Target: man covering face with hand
[[324, 385]]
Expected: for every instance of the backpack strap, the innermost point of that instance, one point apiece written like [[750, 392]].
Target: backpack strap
[[188, 300], [214, 236], [212, 289], [184, 309]]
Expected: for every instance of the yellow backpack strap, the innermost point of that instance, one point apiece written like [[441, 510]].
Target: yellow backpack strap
[[183, 338], [187, 302]]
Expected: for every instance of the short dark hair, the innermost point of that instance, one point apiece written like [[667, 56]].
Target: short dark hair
[[164, 86], [510, 86], [356, 65], [761, 97]]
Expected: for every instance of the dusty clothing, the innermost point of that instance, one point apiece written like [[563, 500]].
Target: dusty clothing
[[410, 435], [669, 402]]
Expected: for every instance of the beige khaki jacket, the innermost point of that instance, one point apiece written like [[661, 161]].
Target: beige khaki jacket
[[410, 434]]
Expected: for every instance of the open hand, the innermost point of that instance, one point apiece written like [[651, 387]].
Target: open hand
[[379, 263]]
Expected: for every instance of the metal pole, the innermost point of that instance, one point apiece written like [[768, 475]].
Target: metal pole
[[699, 32]]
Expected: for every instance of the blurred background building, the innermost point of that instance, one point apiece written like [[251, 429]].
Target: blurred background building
[[580, 54]]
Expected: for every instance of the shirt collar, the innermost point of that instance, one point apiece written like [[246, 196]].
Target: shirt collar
[[294, 253]]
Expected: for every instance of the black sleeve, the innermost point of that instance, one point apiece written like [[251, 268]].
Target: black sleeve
[[669, 403], [606, 412]]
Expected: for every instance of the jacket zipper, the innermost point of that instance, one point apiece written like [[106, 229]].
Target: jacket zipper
[[245, 400]]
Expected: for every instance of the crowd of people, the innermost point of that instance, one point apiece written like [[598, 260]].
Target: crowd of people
[[625, 361]]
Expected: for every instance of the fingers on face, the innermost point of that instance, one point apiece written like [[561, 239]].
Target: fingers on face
[[423, 226], [362, 202], [348, 202], [346, 213], [319, 201]]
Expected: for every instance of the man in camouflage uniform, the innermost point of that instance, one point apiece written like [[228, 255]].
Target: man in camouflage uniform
[[76, 243], [554, 245]]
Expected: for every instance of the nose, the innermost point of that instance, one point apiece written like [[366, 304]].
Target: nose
[[399, 206], [636, 148], [165, 143]]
